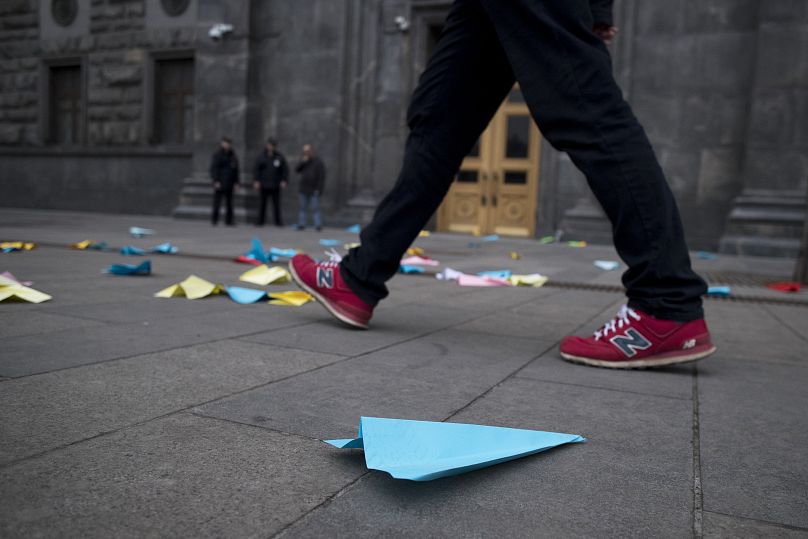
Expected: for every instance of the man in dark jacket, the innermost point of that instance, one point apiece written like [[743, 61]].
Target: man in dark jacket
[[312, 180], [224, 175], [269, 177]]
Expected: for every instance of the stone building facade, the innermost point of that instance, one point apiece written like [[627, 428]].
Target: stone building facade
[[116, 106]]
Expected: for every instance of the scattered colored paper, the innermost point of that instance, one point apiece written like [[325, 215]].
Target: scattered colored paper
[[354, 229], [192, 288], [12, 289], [547, 239], [576, 243], [138, 232], [244, 259], [85, 245], [11, 246], [275, 253], [476, 280], [497, 274], [264, 275], [449, 274], [492, 237], [533, 279], [349, 246], [607, 265], [427, 450], [129, 250], [416, 251], [245, 295], [513, 255], [144, 268], [704, 255], [405, 268], [10, 276], [329, 243], [257, 251], [419, 261], [786, 286], [424, 234], [718, 291], [165, 249], [294, 298]]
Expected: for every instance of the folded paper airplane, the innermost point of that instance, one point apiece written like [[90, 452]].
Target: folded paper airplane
[[576, 243], [417, 260], [245, 295], [514, 255], [409, 269], [607, 265], [10, 276], [86, 245], [786, 286], [257, 251], [11, 288], [192, 288], [424, 234], [165, 249], [138, 232], [547, 239], [144, 268], [477, 280], [533, 279], [294, 298], [719, 291], [275, 253], [492, 237], [129, 250], [264, 275], [426, 450], [354, 229], [245, 259], [11, 246], [329, 243], [352, 245], [497, 274], [416, 251]]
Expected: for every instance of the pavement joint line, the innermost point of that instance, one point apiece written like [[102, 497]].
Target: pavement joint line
[[759, 521], [602, 388], [783, 322], [287, 347], [352, 484], [698, 494], [191, 412], [132, 356]]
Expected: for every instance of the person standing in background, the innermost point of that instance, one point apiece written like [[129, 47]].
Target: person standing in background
[[269, 177], [224, 174], [312, 180]]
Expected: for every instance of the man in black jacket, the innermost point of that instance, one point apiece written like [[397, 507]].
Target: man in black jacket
[[225, 178], [269, 177], [555, 50], [312, 180]]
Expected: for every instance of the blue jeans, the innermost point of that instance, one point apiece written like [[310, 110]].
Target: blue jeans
[[311, 202]]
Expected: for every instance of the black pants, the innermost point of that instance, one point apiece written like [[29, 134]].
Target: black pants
[[565, 73], [275, 195], [227, 194]]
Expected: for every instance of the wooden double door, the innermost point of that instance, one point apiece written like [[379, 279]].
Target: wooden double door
[[496, 189]]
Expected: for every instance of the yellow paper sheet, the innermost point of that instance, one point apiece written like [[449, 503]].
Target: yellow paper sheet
[[192, 288], [17, 245], [264, 275], [415, 251], [82, 244], [294, 298], [424, 234], [349, 246], [12, 289], [534, 280]]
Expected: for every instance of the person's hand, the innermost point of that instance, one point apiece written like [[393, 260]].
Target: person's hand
[[217, 185], [606, 32], [256, 185], [283, 185]]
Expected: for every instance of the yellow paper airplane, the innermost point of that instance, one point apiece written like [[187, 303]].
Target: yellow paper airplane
[[415, 251], [192, 288], [534, 279], [294, 298], [10, 288], [264, 275], [424, 234], [21, 245]]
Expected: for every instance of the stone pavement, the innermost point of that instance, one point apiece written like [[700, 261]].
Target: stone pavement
[[125, 415]]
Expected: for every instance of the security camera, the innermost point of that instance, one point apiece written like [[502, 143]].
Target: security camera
[[219, 30]]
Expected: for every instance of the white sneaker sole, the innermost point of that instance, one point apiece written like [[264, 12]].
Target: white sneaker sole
[[639, 363], [322, 301]]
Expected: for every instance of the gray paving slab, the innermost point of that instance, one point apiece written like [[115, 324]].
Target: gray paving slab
[[718, 525], [38, 413], [19, 321], [632, 478], [753, 433], [426, 378], [33, 354], [181, 476], [794, 317]]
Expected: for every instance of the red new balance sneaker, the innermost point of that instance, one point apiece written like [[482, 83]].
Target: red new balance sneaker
[[323, 281], [636, 340]]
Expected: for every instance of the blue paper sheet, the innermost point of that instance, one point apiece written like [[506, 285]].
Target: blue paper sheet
[[144, 268], [497, 274], [129, 250], [330, 243], [165, 248], [354, 229], [492, 237], [407, 268], [719, 291], [275, 253], [245, 295], [426, 450]]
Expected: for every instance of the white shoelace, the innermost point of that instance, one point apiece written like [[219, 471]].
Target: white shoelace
[[622, 319]]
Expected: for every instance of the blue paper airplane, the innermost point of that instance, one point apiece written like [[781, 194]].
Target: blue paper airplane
[[257, 251], [165, 248], [355, 229], [132, 250], [719, 291], [492, 237], [245, 295], [329, 243], [144, 268], [497, 274], [275, 253], [426, 450], [138, 232], [406, 268]]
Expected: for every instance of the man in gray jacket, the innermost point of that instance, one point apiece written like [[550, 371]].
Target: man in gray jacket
[[312, 180]]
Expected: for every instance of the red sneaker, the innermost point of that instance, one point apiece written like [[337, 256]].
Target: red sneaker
[[323, 281], [635, 340]]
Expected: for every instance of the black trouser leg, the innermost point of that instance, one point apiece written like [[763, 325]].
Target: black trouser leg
[[566, 76], [217, 203], [276, 206], [262, 205], [464, 83], [228, 200]]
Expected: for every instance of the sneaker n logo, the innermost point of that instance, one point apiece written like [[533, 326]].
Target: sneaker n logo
[[630, 342], [325, 277]]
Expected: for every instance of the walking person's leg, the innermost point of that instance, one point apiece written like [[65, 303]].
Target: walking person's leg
[[315, 211], [303, 202], [276, 207], [262, 206], [465, 81], [228, 200], [217, 203]]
